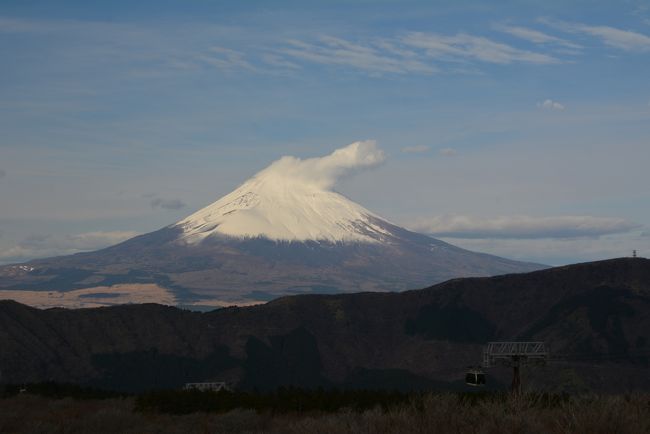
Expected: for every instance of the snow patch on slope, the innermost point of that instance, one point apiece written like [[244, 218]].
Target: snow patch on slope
[[292, 200]]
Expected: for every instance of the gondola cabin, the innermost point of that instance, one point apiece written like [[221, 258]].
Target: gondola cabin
[[475, 377]]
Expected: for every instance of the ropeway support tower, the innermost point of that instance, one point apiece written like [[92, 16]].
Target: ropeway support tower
[[515, 355]]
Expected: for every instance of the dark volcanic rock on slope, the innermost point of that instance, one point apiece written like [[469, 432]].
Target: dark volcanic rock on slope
[[595, 317]]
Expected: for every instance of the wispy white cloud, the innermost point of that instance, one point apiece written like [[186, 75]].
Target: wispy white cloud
[[10, 25], [535, 36], [393, 47], [97, 239], [415, 52], [626, 40], [549, 104], [20, 25], [336, 51], [522, 227], [642, 11], [158, 202], [465, 46], [157, 52], [416, 149], [144, 50], [558, 251], [169, 204], [44, 245], [226, 59], [448, 152], [279, 61]]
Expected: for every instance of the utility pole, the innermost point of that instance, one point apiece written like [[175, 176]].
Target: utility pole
[[515, 386]]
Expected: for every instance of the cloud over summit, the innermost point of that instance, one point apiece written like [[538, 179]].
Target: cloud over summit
[[323, 172]]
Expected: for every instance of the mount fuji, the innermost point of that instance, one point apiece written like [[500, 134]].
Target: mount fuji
[[283, 231], [292, 201]]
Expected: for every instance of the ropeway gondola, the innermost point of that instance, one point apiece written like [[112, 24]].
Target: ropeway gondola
[[475, 377]]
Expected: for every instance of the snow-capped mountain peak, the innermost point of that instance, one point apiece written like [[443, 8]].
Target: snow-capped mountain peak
[[293, 200]]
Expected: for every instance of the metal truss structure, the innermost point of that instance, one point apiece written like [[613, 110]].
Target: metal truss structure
[[514, 353]]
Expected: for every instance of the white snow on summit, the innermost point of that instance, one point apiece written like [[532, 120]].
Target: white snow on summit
[[292, 200]]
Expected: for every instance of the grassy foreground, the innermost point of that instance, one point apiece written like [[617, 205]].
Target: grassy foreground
[[429, 413]]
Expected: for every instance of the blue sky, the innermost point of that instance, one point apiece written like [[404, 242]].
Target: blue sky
[[515, 128]]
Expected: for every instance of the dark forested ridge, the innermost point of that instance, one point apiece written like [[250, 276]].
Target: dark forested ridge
[[594, 316]]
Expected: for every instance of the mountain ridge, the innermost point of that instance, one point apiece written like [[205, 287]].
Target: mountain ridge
[[595, 315]]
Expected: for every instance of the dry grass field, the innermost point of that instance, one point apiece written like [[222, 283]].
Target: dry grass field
[[445, 413]]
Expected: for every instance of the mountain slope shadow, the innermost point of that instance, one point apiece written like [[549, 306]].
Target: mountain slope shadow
[[148, 370], [451, 322], [290, 360], [605, 308]]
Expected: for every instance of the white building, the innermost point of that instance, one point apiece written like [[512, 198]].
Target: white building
[[203, 387]]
